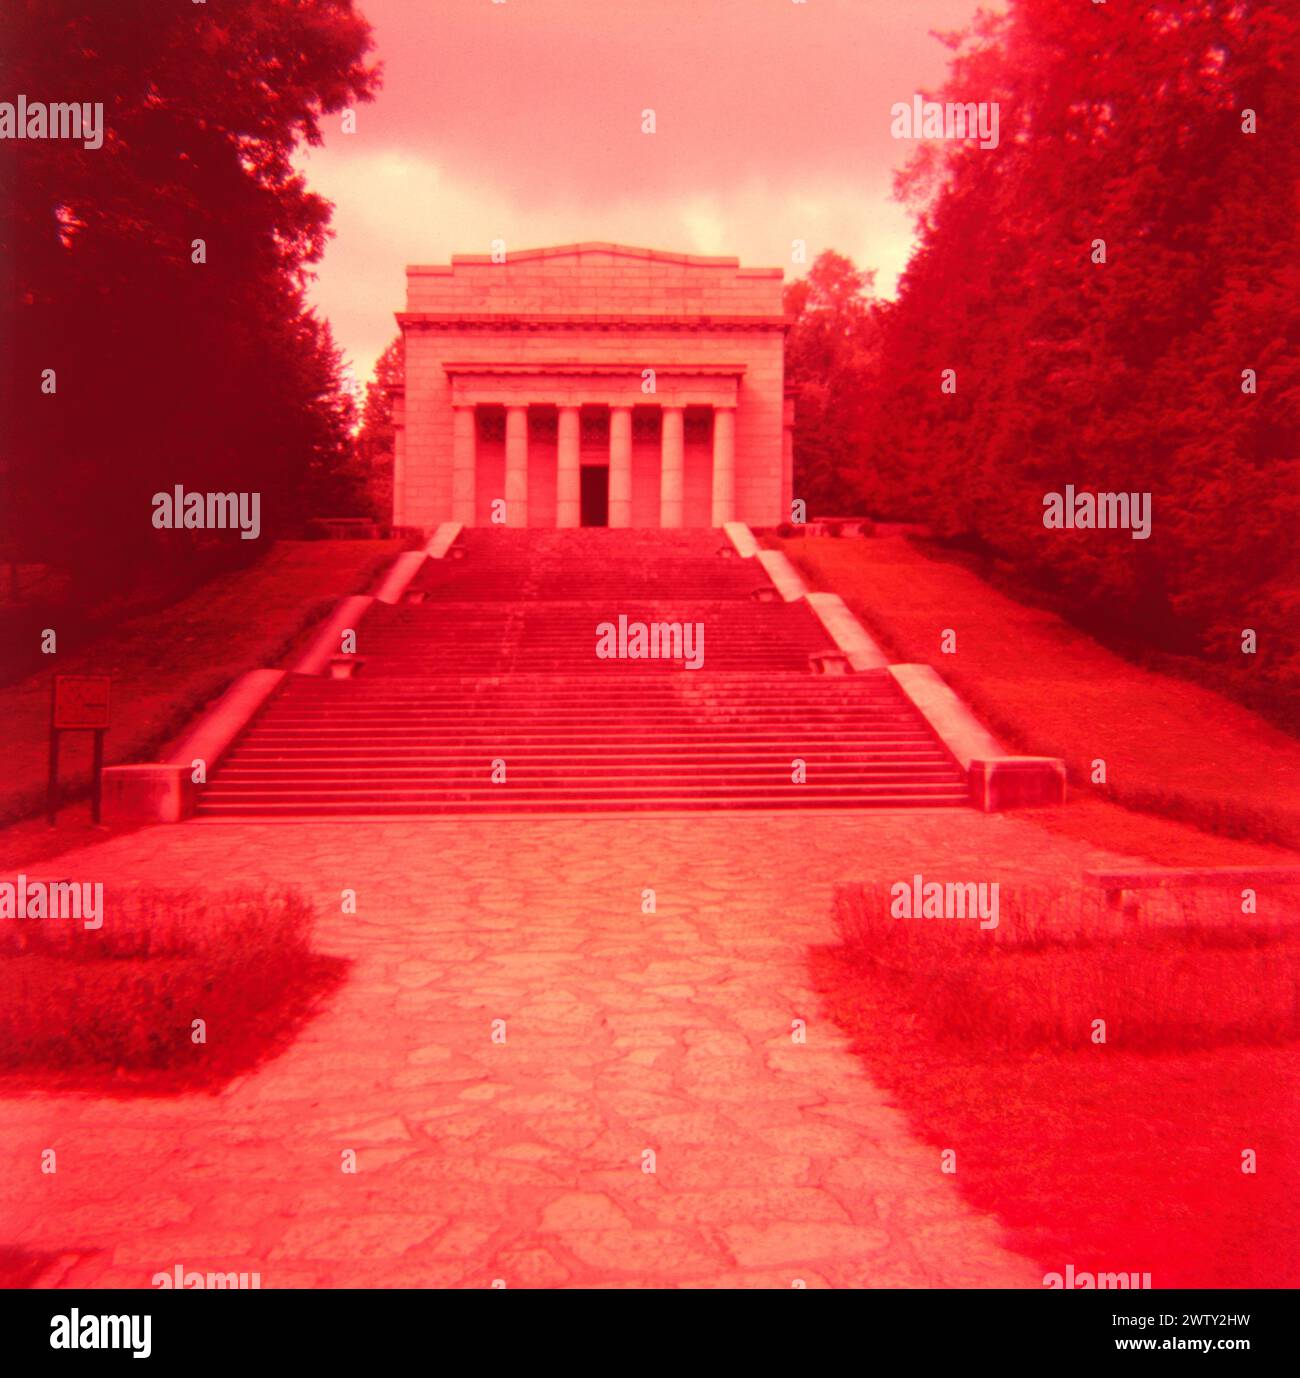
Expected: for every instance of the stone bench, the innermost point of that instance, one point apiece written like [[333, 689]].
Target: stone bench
[[1119, 884]]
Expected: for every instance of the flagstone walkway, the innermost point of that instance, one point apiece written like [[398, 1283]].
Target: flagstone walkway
[[524, 1162]]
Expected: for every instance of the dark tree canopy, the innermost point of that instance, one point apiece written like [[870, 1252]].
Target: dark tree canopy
[[212, 374], [1123, 126]]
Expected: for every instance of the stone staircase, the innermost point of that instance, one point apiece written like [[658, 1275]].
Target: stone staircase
[[491, 663]]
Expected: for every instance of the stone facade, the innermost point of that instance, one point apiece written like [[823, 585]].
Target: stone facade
[[592, 384]]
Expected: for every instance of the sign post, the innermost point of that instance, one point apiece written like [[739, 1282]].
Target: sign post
[[79, 704]]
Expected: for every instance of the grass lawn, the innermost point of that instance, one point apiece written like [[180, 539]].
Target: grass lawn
[[1046, 688], [1111, 828], [1113, 1160], [169, 664]]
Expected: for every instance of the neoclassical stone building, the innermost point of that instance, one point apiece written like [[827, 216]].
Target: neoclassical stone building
[[592, 385]]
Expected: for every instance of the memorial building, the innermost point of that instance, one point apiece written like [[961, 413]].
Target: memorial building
[[592, 385]]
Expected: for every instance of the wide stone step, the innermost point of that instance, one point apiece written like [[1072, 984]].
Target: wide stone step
[[523, 747], [556, 767], [559, 804], [810, 690], [713, 713], [624, 791], [671, 698], [523, 683], [799, 742]]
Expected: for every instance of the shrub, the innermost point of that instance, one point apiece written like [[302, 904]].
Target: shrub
[[123, 998], [1184, 975]]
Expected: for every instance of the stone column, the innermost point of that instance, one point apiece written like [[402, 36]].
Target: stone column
[[568, 481], [620, 466], [673, 446], [724, 465], [517, 466], [462, 464]]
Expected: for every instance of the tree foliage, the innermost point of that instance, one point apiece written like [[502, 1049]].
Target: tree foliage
[[375, 445], [174, 362], [831, 355], [1122, 125]]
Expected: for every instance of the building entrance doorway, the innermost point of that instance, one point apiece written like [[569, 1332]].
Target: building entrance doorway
[[595, 494]]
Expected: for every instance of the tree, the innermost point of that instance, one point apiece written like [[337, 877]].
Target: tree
[[830, 357], [1098, 282], [375, 444], [161, 276]]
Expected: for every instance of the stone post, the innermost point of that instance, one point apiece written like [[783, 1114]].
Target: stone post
[[620, 466], [724, 465], [673, 452], [517, 466], [462, 464], [568, 482]]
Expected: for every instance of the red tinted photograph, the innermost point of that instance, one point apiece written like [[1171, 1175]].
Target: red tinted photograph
[[649, 645]]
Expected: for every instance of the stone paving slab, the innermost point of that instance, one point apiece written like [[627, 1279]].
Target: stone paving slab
[[524, 1161]]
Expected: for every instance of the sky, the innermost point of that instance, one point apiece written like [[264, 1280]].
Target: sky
[[522, 121]]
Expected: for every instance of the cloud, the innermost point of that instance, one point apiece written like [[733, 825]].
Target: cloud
[[522, 122]]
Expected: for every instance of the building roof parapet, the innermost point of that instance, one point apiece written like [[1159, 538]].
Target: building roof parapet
[[587, 320], [605, 367], [592, 247]]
